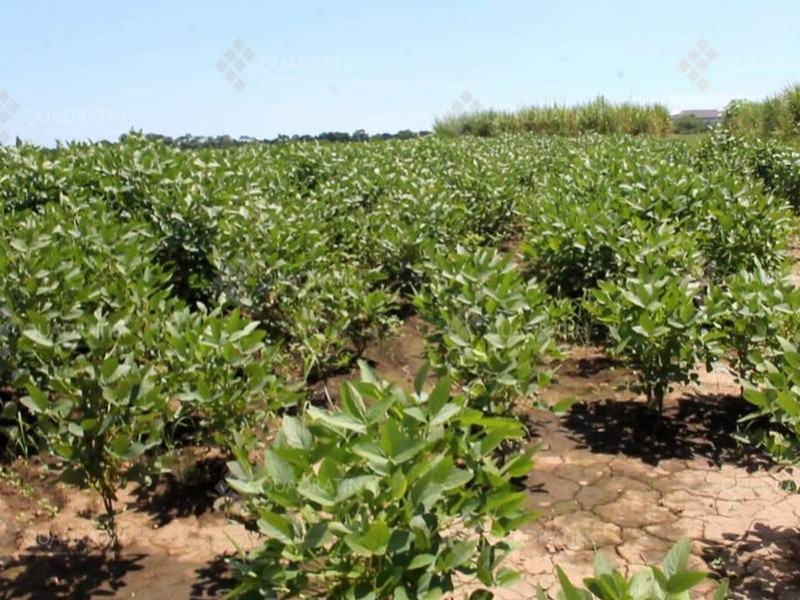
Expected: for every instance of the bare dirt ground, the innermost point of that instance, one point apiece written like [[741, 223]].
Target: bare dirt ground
[[607, 478], [606, 481]]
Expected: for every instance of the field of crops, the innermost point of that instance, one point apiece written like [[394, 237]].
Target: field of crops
[[159, 302]]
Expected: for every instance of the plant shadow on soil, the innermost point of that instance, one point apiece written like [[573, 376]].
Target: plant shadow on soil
[[80, 573], [765, 561], [172, 497], [214, 580], [696, 425], [74, 572], [78, 569]]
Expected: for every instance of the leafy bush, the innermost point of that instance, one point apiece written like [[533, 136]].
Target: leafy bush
[[776, 166], [492, 328], [751, 310], [392, 495], [221, 373], [774, 389], [671, 581], [324, 309], [101, 361], [59, 268], [100, 411], [591, 223], [334, 316], [741, 228], [779, 169], [655, 325]]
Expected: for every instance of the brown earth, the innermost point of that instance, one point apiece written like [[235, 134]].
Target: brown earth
[[611, 479], [608, 478]]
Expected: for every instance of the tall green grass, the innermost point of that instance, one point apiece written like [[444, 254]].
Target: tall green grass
[[597, 116], [777, 116]]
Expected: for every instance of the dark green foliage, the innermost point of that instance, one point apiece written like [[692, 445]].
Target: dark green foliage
[[391, 495]]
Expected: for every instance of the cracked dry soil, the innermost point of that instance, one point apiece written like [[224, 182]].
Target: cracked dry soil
[[606, 480]]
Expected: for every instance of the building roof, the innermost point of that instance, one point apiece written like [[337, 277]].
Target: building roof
[[700, 114]]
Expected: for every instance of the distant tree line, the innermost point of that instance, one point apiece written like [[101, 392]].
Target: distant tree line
[[225, 141]]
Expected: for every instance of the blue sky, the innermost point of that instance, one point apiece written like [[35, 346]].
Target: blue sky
[[91, 70]]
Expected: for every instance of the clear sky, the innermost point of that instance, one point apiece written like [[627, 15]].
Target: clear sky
[[88, 69]]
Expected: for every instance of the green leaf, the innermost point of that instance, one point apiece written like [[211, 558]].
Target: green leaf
[[296, 434], [398, 485], [722, 590], [421, 561], [633, 298], [642, 584], [276, 526], [676, 558], [352, 402], [519, 466], [421, 377], [37, 337], [400, 541], [392, 438], [684, 581], [351, 486], [459, 554], [337, 421], [75, 429], [568, 589], [563, 406], [507, 577], [456, 478], [447, 412], [540, 595], [316, 493], [602, 565], [36, 400], [317, 535], [400, 593], [439, 395], [121, 445], [373, 543], [246, 488]]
